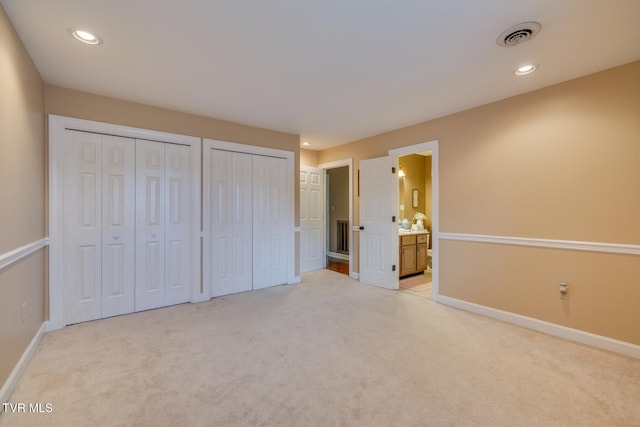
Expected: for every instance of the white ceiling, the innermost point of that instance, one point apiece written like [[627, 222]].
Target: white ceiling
[[332, 71]]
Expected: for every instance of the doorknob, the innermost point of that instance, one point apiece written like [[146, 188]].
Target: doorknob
[[116, 236], [153, 234]]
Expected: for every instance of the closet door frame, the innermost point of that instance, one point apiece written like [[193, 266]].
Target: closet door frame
[[58, 126], [289, 156]]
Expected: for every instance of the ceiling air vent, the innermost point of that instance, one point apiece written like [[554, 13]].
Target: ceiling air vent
[[518, 34]]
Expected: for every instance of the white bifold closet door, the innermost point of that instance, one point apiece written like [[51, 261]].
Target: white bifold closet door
[[269, 222], [247, 198], [231, 222], [162, 224], [126, 225], [99, 226]]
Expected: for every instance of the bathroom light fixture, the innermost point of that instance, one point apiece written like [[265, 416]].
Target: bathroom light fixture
[[525, 69], [85, 36], [400, 173]]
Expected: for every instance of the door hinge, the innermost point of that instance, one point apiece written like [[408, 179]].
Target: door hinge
[[393, 169], [393, 267], [393, 218]]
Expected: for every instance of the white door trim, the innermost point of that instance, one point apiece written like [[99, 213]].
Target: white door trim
[[337, 164], [435, 215], [289, 157], [57, 128]]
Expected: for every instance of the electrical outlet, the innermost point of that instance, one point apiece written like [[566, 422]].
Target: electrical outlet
[[564, 291], [24, 311]]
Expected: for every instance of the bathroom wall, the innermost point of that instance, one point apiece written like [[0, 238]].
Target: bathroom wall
[[428, 209], [413, 167]]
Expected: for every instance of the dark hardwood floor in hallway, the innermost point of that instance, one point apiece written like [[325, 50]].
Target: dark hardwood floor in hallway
[[338, 265]]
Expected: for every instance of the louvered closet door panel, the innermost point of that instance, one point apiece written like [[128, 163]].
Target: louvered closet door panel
[[150, 220], [269, 231], [118, 225], [177, 224], [82, 224], [231, 222]]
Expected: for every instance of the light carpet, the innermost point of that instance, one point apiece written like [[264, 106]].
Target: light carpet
[[327, 352]]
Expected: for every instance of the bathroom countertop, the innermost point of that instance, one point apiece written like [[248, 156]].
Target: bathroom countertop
[[409, 232]]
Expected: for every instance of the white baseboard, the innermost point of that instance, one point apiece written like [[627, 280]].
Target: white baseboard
[[355, 275], [295, 280], [339, 256], [9, 385], [599, 341]]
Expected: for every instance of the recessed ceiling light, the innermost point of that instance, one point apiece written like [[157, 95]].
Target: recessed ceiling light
[[525, 69], [306, 143], [85, 36]]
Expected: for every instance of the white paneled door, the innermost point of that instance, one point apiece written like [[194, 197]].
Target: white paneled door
[[312, 239], [378, 254], [177, 224], [162, 224], [269, 222], [99, 226], [118, 226], [246, 204], [150, 218], [231, 181], [127, 219]]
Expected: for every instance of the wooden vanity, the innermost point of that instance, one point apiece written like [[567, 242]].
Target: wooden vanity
[[413, 252]]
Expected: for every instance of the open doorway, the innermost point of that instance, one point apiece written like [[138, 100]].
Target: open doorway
[[338, 229], [415, 223], [339, 217], [409, 204]]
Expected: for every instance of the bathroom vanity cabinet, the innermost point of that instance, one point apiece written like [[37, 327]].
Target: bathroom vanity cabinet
[[413, 253]]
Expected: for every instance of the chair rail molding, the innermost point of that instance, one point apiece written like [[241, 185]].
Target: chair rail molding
[[617, 248], [10, 257]]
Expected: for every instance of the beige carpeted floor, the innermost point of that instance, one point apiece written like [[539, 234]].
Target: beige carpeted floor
[[327, 352]]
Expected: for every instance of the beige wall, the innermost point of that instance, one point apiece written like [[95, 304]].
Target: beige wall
[[22, 217], [309, 158], [558, 163]]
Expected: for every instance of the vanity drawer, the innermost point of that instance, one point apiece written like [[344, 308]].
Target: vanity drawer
[[407, 240], [422, 238]]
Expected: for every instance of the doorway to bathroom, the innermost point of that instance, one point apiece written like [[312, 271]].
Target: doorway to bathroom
[[410, 204], [415, 223]]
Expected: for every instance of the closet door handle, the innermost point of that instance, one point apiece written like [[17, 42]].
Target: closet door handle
[[153, 234], [116, 236]]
